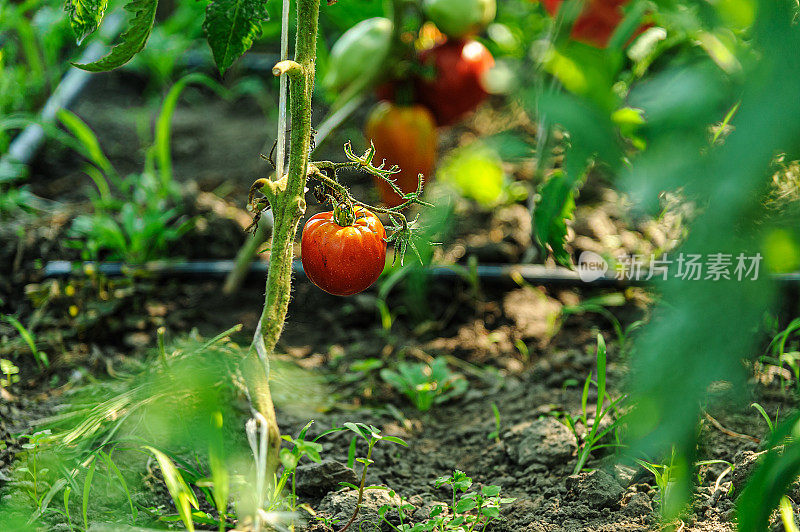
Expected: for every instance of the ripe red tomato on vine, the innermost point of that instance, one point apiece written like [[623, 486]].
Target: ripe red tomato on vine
[[596, 23], [403, 135], [343, 259], [457, 83]]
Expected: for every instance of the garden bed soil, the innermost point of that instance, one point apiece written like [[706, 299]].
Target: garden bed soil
[[502, 339]]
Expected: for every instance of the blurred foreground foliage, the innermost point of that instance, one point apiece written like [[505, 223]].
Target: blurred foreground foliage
[[184, 405], [742, 74]]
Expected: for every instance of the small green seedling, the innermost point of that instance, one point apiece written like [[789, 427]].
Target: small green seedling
[[594, 431], [32, 469], [495, 434], [290, 458], [11, 372], [469, 511], [426, 384], [40, 356], [770, 423], [372, 435], [664, 475], [780, 355]]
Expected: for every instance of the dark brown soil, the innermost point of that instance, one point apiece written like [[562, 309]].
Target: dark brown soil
[[503, 339]]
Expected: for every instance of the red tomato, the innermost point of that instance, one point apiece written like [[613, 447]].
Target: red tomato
[[405, 136], [343, 260], [597, 21], [457, 86]]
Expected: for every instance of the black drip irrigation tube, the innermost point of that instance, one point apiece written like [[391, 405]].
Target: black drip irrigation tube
[[215, 269]]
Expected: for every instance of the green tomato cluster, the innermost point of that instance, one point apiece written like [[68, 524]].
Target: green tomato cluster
[[361, 51], [460, 18]]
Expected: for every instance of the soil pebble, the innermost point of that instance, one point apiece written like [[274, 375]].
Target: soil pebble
[[338, 507], [639, 504], [597, 488], [744, 463], [317, 479], [545, 441]]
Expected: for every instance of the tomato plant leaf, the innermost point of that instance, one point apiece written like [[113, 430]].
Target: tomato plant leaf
[[556, 205], [85, 16], [132, 41], [231, 26]]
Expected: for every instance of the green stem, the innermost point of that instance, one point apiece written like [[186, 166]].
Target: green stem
[[372, 442], [286, 195]]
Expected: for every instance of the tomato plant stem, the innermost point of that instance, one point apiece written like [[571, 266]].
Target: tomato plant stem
[[286, 196]]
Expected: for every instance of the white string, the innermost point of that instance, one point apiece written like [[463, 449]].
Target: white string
[[282, 104]]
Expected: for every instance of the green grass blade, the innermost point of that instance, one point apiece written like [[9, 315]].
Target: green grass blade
[[88, 140], [164, 122], [87, 486], [113, 468]]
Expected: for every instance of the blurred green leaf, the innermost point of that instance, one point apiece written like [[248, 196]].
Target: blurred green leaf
[[554, 208], [132, 41], [476, 171], [182, 494]]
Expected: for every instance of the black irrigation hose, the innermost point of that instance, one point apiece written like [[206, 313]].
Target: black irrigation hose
[[532, 273]]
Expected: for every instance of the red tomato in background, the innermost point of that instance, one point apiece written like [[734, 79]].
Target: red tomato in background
[[405, 136], [343, 260], [597, 21], [457, 86]]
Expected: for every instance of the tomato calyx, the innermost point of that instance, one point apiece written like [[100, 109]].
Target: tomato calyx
[[343, 214]]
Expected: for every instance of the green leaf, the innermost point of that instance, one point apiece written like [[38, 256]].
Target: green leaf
[[88, 140], [556, 205], [231, 26], [87, 486], [288, 460], [465, 505], [351, 452], [85, 16], [133, 40], [181, 494], [491, 512], [358, 428], [490, 491], [395, 440], [7, 367]]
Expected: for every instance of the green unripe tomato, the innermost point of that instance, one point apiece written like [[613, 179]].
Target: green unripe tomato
[[460, 18], [360, 52]]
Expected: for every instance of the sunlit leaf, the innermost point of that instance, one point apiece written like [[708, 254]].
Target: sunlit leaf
[[231, 26], [85, 16], [132, 41]]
